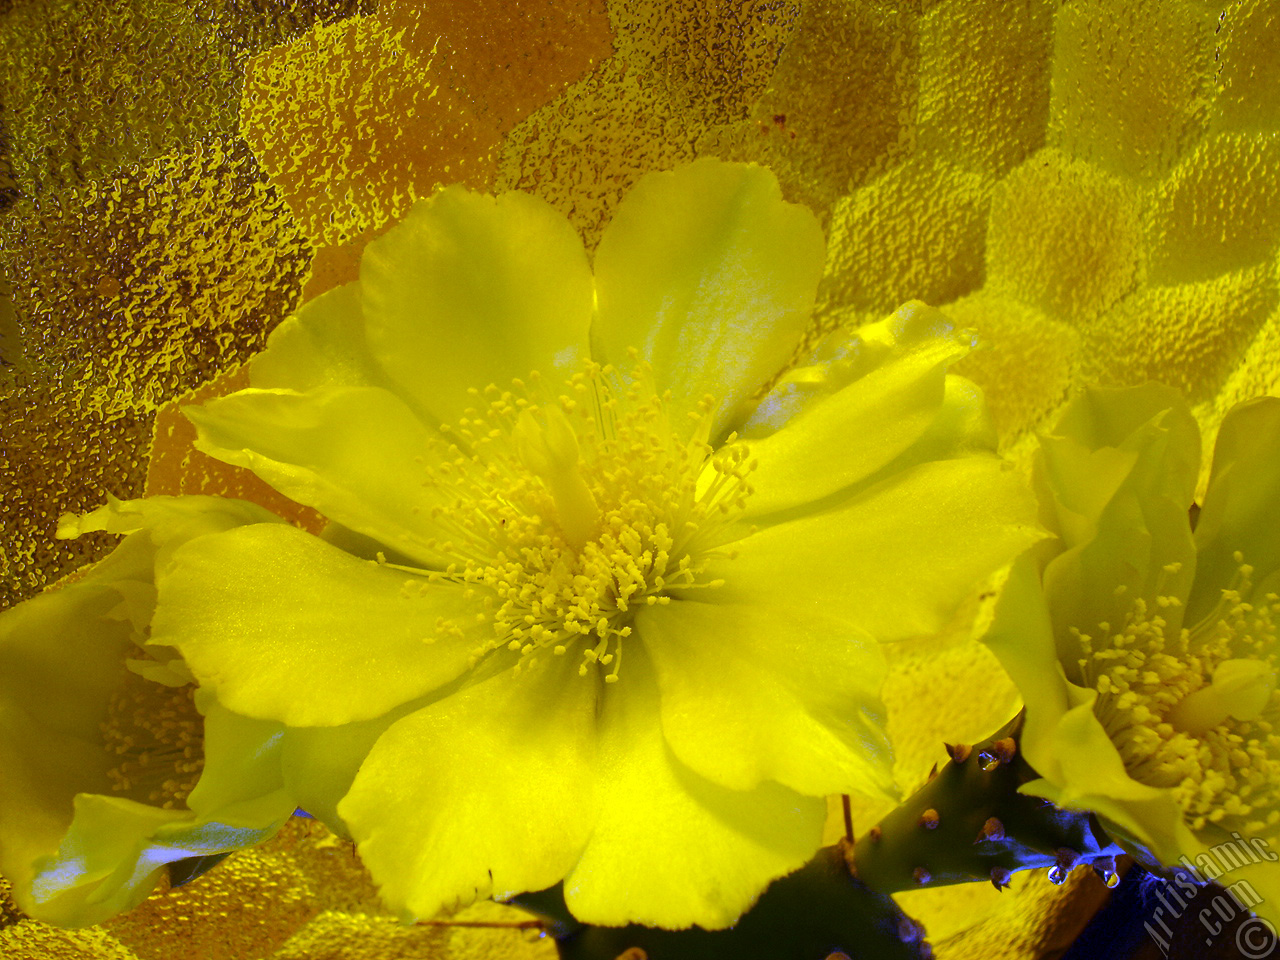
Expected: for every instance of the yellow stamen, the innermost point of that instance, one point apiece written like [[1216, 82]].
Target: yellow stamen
[[1195, 709], [1240, 689], [565, 512], [158, 737]]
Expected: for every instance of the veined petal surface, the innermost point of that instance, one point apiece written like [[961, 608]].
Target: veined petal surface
[[671, 848], [896, 559], [710, 276], [355, 454], [283, 626], [897, 373], [489, 792], [764, 691], [469, 290]]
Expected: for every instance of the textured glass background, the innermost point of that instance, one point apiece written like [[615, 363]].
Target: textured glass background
[[1093, 184]]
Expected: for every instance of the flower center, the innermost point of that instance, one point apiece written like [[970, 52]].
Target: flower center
[[1196, 711], [552, 453], [565, 511], [157, 736]]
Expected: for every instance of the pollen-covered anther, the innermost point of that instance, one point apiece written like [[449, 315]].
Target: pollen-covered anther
[[1194, 709], [568, 509], [1240, 689], [157, 737]]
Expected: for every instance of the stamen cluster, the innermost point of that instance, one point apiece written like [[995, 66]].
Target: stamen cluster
[[567, 511], [158, 737], [1227, 773]]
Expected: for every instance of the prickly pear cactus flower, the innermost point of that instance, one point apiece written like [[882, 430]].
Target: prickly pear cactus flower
[[114, 765], [1148, 658], [604, 588]]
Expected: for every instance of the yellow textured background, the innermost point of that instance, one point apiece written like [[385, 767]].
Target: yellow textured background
[[1094, 185]]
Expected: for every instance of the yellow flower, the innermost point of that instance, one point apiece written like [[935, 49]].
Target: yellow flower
[[603, 593], [113, 767], [1148, 659]]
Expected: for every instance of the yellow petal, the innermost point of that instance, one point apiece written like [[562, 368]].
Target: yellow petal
[[469, 290], [898, 373], [355, 454], [320, 346], [283, 626], [1018, 631], [764, 691], [1087, 773], [672, 849], [711, 276], [488, 792], [241, 784], [61, 658], [320, 763], [1241, 503], [897, 558]]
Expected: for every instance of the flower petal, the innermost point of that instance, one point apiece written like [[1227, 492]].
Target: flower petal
[[488, 792], [1119, 473], [671, 848], [283, 626], [241, 784], [1140, 440], [169, 523], [763, 691], [469, 290], [102, 865], [896, 373], [711, 276], [897, 558], [111, 857], [320, 763], [354, 454], [1019, 632], [75, 856], [320, 347], [1241, 504], [1089, 775], [61, 659]]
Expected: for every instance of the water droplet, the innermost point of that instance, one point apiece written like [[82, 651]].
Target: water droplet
[[1058, 874], [988, 760], [1105, 867]]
